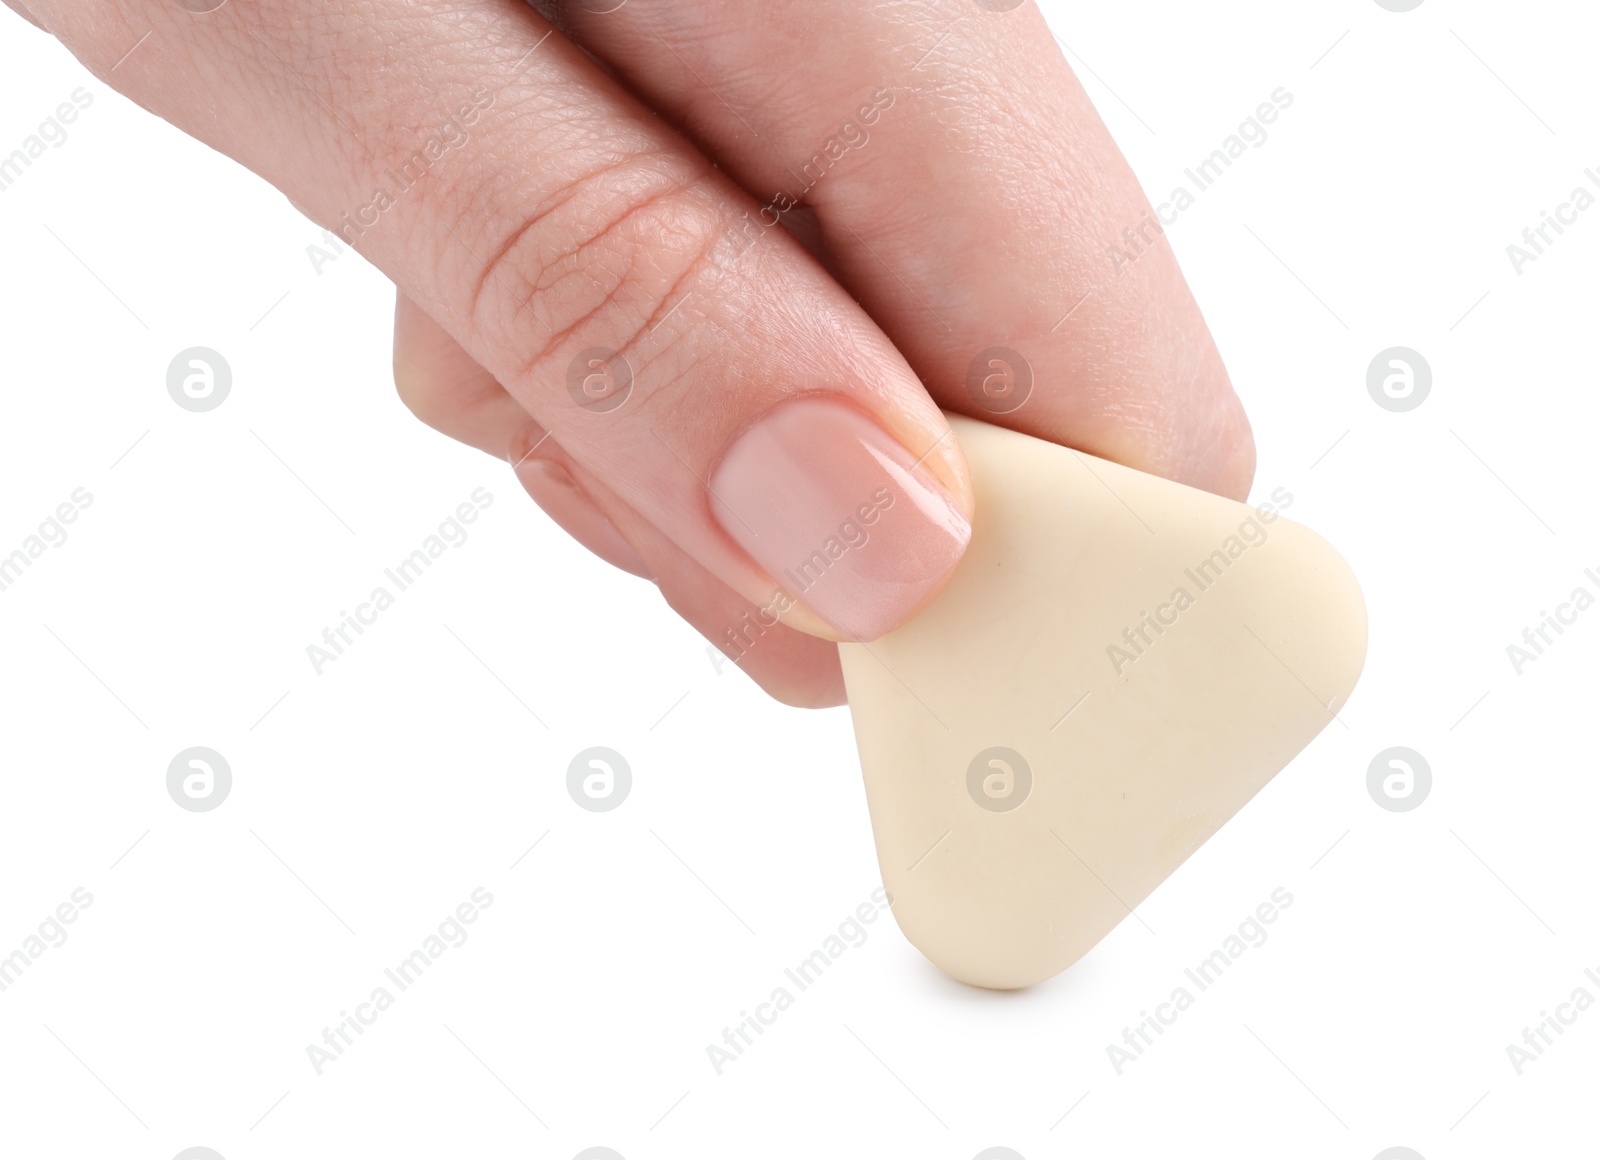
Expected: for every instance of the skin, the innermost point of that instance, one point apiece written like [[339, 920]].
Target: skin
[[586, 203]]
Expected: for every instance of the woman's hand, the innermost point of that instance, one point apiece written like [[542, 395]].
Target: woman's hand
[[583, 226]]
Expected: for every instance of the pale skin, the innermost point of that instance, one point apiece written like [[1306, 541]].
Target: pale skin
[[591, 201]]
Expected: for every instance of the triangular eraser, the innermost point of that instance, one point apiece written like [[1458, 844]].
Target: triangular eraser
[[1117, 665]]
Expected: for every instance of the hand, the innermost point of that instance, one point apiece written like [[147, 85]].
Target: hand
[[749, 415]]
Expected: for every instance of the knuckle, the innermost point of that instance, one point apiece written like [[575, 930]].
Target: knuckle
[[601, 263]]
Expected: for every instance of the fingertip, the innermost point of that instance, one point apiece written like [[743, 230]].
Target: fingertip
[[843, 517]]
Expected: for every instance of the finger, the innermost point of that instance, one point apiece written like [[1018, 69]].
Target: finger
[[446, 388], [972, 200], [794, 667], [542, 215], [553, 489], [442, 385]]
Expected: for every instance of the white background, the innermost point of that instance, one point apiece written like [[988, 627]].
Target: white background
[[370, 801]]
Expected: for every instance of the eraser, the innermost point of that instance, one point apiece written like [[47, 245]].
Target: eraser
[[1117, 665]]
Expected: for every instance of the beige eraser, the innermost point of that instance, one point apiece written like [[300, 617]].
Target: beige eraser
[[1117, 665]]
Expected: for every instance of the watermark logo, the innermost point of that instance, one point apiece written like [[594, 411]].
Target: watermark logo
[[600, 1153], [1399, 6], [448, 935], [1399, 379], [52, 533], [853, 133], [599, 380], [599, 779], [450, 136], [199, 1153], [1536, 239], [739, 640], [999, 779], [1399, 1153], [1123, 258], [846, 936], [1399, 779], [52, 132], [999, 1154], [1539, 1038], [852, 534], [340, 637], [1536, 639], [1252, 133], [1140, 636], [999, 380], [50, 933], [1249, 934], [199, 379], [199, 779]]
